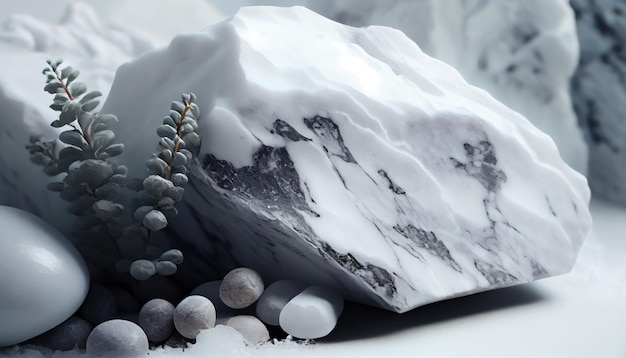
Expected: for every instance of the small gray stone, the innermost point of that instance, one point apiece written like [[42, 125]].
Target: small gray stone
[[312, 314], [241, 287], [250, 327], [157, 320], [117, 339], [194, 314], [66, 336], [274, 298], [99, 306], [211, 290]]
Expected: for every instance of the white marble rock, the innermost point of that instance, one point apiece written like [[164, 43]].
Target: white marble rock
[[274, 298], [524, 53], [346, 157], [599, 93], [44, 279], [250, 327], [312, 314]]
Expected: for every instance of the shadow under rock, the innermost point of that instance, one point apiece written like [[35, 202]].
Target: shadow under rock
[[361, 322]]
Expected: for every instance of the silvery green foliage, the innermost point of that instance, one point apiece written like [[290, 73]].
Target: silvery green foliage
[[126, 209], [168, 174]]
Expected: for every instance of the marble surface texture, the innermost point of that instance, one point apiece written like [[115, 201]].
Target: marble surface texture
[[347, 157], [599, 93], [522, 52]]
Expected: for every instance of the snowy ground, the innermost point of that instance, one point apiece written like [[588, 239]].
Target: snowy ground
[[581, 314]]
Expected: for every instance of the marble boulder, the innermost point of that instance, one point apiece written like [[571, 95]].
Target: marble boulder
[[523, 52], [348, 158], [599, 93]]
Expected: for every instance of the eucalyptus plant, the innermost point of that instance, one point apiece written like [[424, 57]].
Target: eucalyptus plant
[[128, 210]]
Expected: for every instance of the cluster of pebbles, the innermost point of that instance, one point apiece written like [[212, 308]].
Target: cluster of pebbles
[[240, 300]]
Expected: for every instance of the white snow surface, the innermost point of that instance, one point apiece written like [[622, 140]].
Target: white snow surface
[[522, 52], [392, 151]]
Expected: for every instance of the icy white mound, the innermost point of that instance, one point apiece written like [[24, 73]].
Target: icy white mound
[[347, 157], [599, 92], [523, 52], [87, 43]]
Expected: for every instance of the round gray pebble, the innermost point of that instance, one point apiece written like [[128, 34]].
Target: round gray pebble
[[241, 287], [66, 336], [194, 314], [117, 338], [157, 320], [274, 298], [250, 327]]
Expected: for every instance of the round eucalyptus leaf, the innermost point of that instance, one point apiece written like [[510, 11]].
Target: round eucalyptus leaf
[[156, 185], [89, 96], [178, 159], [154, 220], [157, 166], [53, 87], [179, 179], [70, 153], [114, 149], [60, 98], [56, 107], [175, 193], [166, 155], [77, 89], [141, 212], [75, 138], [166, 203], [73, 76], [106, 209], [166, 268], [175, 116], [103, 138], [166, 131], [168, 121], [65, 73], [120, 169], [187, 154], [67, 117], [142, 270], [185, 129], [190, 121], [107, 119], [167, 143], [173, 255], [179, 169], [195, 110], [177, 106], [192, 138], [90, 106], [119, 179]]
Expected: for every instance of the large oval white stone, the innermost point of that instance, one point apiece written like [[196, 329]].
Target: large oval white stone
[[43, 277]]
